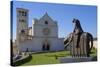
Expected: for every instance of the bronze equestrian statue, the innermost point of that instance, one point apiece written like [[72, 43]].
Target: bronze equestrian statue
[[80, 42], [77, 31]]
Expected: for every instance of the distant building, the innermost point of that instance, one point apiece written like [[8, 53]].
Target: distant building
[[42, 36], [15, 50]]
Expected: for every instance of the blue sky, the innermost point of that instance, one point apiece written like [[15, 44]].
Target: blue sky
[[62, 13]]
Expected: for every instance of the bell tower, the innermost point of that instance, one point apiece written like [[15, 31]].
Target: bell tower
[[22, 24]]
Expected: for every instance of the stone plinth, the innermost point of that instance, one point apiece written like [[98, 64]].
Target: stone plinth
[[76, 59]]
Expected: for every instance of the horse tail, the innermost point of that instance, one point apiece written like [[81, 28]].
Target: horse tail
[[91, 41]]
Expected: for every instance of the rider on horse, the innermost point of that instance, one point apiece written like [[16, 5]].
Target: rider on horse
[[77, 31]]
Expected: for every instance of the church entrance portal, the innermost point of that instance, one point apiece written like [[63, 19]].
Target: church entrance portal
[[46, 47]]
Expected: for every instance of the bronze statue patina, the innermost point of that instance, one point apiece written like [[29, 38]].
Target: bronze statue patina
[[80, 42], [77, 31]]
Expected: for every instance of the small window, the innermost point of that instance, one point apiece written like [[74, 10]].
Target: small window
[[20, 13], [22, 20], [25, 14], [22, 31], [46, 22]]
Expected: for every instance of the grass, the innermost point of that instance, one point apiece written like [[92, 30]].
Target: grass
[[51, 57], [47, 58], [93, 52]]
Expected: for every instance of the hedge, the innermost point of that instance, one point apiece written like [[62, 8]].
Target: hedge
[[22, 60]]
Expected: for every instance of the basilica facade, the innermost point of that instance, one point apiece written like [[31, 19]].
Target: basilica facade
[[42, 36]]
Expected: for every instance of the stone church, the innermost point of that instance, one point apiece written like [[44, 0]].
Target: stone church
[[42, 36]]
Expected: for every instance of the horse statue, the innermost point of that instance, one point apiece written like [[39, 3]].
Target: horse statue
[[84, 45]]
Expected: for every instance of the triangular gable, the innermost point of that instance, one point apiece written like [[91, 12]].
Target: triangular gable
[[47, 18]]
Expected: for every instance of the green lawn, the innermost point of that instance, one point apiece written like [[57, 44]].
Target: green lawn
[[50, 57], [47, 58], [93, 52]]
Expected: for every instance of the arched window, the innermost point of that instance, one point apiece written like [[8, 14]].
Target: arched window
[[46, 22]]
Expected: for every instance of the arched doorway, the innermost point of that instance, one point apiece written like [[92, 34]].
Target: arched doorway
[[46, 46]]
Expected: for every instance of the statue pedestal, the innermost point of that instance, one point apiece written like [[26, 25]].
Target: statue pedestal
[[76, 59]]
